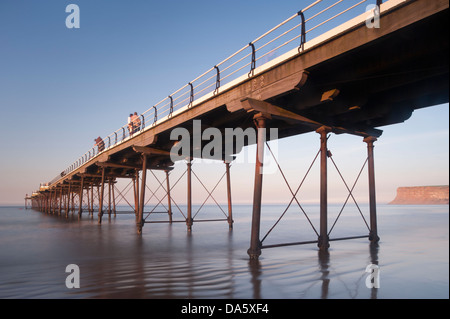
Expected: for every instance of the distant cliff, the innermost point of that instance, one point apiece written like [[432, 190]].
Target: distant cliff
[[422, 195]]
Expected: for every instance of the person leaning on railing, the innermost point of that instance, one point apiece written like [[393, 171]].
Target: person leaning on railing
[[100, 144]]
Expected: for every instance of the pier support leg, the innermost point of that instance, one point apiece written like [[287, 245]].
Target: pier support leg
[[140, 217], [109, 198], [323, 240], [136, 193], [68, 199], [66, 203], [101, 195], [113, 197], [189, 220], [80, 208], [53, 201], [255, 244], [373, 235], [230, 209], [47, 211], [72, 200], [88, 198], [92, 200], [169, 200], [60, 201], [52, 206]]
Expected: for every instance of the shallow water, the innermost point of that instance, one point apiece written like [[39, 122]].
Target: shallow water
[[212, 262]]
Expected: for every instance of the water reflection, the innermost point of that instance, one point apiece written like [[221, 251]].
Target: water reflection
[[324, 277], [374, 248], [324, 263], [254, 267], [171, 265], [168, 262], [211, 262]]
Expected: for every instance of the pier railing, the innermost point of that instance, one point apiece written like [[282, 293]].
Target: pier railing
[[319, 17]]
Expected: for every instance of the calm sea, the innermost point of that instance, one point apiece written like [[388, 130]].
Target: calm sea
[[212, 262]]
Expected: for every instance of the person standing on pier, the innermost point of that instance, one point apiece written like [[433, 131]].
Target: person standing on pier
[[130, 124], [136, 122]]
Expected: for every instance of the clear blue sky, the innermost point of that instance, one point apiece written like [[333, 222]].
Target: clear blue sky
[[60, 88]]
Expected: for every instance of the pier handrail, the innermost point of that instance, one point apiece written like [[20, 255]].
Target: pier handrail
[[232, 68]]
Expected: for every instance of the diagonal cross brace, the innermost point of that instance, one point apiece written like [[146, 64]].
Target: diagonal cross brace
[[294, 195], [350, 194], [209, 194]]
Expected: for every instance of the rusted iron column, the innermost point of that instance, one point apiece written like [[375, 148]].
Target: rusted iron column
[[72, 196], [140, 217], [51, 202], [230, 209], [66, 203], [60, 201], [54, 200], [100, 200], [189, 220], [68, 200], [109, 197], [114, 197], [88, 198], [92, 200], [255, 244], [323, 240], [57, 201], [80, 208], [169, 200], [47, 204], [136, 193], [373, 235]]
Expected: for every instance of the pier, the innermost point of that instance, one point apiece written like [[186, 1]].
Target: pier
[[371, 71]]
